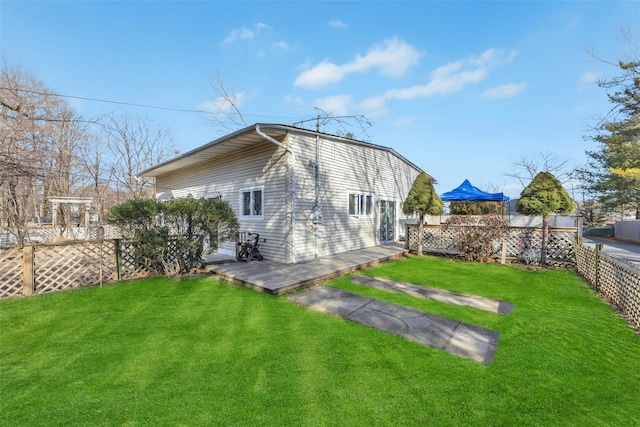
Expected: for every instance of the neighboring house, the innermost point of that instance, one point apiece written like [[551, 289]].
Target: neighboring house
[[308, 194]]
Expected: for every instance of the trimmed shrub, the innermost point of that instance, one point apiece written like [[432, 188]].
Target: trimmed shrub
[[168, 236]]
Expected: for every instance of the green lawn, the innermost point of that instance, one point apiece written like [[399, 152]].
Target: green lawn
[[198, 352]]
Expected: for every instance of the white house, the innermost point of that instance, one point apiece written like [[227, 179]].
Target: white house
[[308, 194]]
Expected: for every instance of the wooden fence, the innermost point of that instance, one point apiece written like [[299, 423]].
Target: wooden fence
[[615, 280], [518, 242], [36, 269], [47, 234]]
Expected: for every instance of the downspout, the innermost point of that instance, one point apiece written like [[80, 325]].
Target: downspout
[[316, 207], [292, 165]]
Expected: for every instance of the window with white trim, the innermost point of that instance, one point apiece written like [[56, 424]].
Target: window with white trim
[[252, 202], [360, 204]]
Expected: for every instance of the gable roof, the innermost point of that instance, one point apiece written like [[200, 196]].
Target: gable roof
[[244, 138]]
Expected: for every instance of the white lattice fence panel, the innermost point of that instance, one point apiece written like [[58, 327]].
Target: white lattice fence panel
[[40, 235], [560, 244], [439, 240], [58, 267], [434, 239], [108, 232], [519, 239], [411, 237], [10, 272], [93, 233], [111, 232]]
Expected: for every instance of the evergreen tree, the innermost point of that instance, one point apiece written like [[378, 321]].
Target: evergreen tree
[[423, 200], [613, 171], [542, 197]]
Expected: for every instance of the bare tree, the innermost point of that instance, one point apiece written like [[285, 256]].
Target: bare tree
[[26, 113], [135, 143], [67, 135], [349, 126], [228, 116], [48, 149], [226, 108], [96, 174], [527, 167], [40, 136]]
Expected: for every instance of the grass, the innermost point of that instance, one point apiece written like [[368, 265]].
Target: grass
[[197, 352]]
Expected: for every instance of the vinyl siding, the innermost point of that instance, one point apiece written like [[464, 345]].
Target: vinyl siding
[[266, 165], [343, 167]]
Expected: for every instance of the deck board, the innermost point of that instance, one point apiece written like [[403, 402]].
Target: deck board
[[275, 278]]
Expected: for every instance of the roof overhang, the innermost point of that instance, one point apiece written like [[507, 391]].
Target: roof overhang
[[233, 142], [245, 138]]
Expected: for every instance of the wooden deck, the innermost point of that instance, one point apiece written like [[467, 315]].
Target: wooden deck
[[274, 278]]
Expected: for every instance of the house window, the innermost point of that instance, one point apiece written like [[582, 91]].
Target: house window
[[361, 204], [251, 202]]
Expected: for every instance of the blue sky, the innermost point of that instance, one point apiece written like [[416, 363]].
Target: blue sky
[[462, 89]]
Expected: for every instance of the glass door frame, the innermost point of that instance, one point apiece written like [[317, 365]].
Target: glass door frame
[[387, 224]]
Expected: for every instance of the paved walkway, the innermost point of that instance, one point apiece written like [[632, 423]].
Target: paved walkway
[[463, 339], [624, 251], [275, 278], [480, 303]]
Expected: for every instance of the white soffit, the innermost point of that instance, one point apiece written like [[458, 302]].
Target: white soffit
[[221, 147]]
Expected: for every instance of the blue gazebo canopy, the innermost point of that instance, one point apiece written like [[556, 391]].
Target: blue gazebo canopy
[[468, 193]]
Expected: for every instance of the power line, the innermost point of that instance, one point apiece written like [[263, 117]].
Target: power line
[[129, 104], [48, 119]]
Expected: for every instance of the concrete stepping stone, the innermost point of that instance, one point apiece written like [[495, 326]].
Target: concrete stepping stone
[[462, 339], [480, 303]]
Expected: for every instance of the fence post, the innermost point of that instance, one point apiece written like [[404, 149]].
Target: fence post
[[27, 272], [579, 227], [597, 282], [406, 236], [117, 259], [503, 254]]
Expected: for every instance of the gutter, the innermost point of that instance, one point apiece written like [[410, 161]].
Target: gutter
[[292, 165]]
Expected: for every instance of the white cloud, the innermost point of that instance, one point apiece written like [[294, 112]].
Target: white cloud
[[296, 100], [261, 26], [392, 58], [449, 78], [244, 33], [589, 78], [338, 24], [375, 103], [404, 121], [220, 105], [77, 104], [320, 75], [280, 45], [338, 104], [492, 57], [505, 91]]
